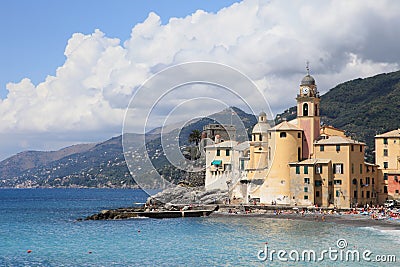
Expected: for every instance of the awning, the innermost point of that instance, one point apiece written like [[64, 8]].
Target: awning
[[216, 162]]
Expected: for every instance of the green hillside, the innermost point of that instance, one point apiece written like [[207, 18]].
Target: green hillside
[[362, 107]]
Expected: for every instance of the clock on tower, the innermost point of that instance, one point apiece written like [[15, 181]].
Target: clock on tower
[[308, 113]]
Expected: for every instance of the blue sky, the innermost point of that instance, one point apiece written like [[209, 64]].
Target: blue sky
[[35, 33], [63, 82]]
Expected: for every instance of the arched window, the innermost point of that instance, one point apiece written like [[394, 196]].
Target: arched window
[[305, 109], [316, 110]]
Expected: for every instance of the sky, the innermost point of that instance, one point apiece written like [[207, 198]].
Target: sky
[[69, 69]]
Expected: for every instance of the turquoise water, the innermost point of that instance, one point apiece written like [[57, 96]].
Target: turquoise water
[[43, 221]]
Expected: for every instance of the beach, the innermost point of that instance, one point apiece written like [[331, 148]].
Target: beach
[[346, 218]]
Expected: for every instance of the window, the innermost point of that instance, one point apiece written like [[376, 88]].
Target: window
[[385, 165], [321, 148], [396, 191], [361, 182], [368, 194], [282, 134], [298, 135], [385, 189], [361, 167], [318, 169], [385, 153], [260, 137], [218, 152], [338, 168], [352, 168], [337, 182], [385, 176], [305, 169], [317, 193], [318, 183], [227, 152], [373, 180], [269, 153], [361, 149], [242, 164], [307, 180], [305, 189], [355, 194], [305, 109], [385, 141], [367, 180], [298, 154], [269, 135], [354, 181], [305, 197], [337, 193], [337, 148], [297, 169], [352, 147]]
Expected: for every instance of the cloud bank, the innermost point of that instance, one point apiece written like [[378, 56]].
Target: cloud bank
[[269, 41]]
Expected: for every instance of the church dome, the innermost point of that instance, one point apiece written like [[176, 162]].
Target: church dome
[[261, 128], [262, 114], [308, 80]]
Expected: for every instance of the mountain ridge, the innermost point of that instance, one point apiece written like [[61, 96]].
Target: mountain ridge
[[362, 107]]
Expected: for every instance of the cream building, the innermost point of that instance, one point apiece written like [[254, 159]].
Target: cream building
[[226, 163], [387, 156]]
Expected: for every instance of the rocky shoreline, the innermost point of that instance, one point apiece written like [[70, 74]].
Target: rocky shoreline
[[179, 198], [191, 199]]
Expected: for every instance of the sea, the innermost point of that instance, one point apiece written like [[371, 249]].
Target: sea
[[39, 227]]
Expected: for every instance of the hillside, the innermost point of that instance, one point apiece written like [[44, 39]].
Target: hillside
[[103, 164], [361, 107], [30, 159]]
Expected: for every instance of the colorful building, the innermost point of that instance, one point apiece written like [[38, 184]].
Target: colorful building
[[387, 156], [300, 163]]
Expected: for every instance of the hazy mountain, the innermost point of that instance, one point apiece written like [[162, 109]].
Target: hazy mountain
[[103, 164], [362, 107]]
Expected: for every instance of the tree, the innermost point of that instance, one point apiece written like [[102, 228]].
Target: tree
[[195, 136]]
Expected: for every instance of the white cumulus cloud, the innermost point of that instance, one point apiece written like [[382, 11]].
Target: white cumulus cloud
[[269, 41]]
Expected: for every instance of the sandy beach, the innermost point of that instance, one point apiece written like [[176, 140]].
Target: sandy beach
[[356, 220]]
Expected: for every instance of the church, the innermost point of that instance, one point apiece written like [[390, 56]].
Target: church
[[296, 163]]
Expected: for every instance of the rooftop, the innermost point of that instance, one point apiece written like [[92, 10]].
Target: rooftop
[[336, 140], [311, 162], [242, 146], [394, 133], [286, 126], [225, 144]]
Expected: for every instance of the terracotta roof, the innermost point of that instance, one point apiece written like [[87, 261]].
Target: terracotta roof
[[394, 133], [285, 126], [337, 140]]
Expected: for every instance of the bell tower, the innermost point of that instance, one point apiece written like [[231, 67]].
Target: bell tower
[[308, 117]]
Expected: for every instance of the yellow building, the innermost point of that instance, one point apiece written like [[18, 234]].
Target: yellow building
[[387, 156], [300, 163]]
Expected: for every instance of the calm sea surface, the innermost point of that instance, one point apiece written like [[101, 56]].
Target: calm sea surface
[[44, 221]]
